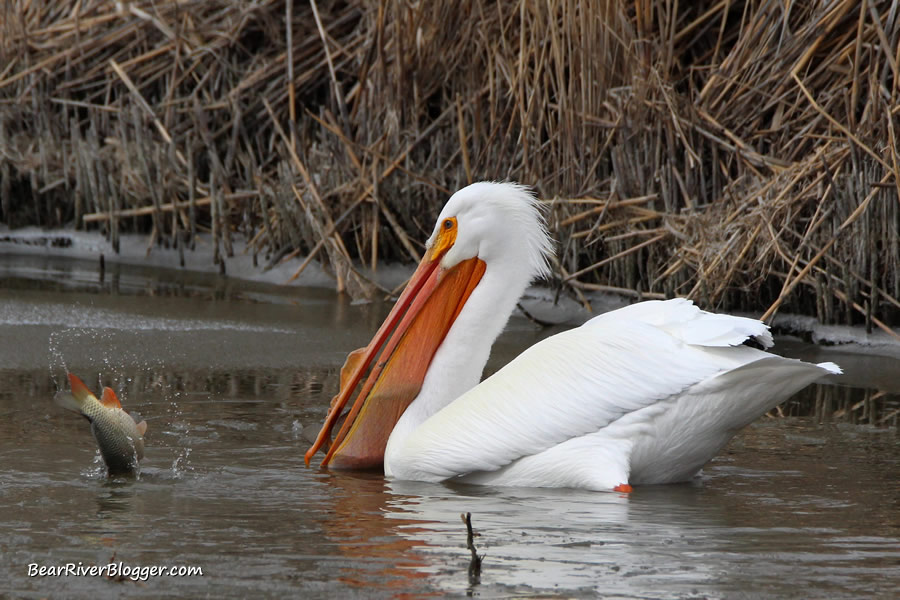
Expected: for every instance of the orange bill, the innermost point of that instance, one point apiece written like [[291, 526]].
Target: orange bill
[[404, 346]]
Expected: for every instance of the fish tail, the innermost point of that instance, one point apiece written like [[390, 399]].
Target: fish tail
[[78, 399], [67, 401], [80, 391]]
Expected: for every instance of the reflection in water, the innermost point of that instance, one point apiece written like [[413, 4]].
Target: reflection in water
[[117, 504], [117, 497], [728, 533], [392, 559], [527, 537], [665, 541], [825, 403]]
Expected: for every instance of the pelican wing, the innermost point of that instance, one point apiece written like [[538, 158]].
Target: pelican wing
[[576, 383]]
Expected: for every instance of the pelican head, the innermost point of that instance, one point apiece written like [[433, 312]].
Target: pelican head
[[490, 241], [498, 223]]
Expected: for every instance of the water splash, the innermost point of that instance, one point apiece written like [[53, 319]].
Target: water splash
[[66, 344], [182, 465], [97, 470], [141, 381]]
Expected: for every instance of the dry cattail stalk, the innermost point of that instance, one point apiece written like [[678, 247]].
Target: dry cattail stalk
[[735, 152]]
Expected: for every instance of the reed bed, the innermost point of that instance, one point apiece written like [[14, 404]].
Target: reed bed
[[741, 153]]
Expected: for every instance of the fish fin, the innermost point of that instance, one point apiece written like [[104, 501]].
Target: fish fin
[[79, 390], [67, 401], [142, 428], [109, 399]]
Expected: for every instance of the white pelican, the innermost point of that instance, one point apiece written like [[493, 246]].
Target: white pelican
[[644, 394]]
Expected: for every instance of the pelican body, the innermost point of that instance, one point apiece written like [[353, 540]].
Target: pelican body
[[645, 394]]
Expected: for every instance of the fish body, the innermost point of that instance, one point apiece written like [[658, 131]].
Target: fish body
[[119, 437]]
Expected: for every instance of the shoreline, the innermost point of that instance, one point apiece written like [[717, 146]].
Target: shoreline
[[542, 304]]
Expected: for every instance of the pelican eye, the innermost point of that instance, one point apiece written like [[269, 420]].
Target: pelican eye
[[446, 237]]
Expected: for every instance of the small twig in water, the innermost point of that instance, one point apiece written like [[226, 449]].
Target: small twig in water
[[475, 562]]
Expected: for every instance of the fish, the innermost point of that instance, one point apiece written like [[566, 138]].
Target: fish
[[119, 437]]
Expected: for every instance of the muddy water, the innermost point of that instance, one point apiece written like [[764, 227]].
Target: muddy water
[[227, 374]]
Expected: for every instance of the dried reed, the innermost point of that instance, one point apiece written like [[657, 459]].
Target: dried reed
[[742, 153]]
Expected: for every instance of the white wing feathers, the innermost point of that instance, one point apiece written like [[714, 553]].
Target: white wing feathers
[[680, 318], [578, 382]]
